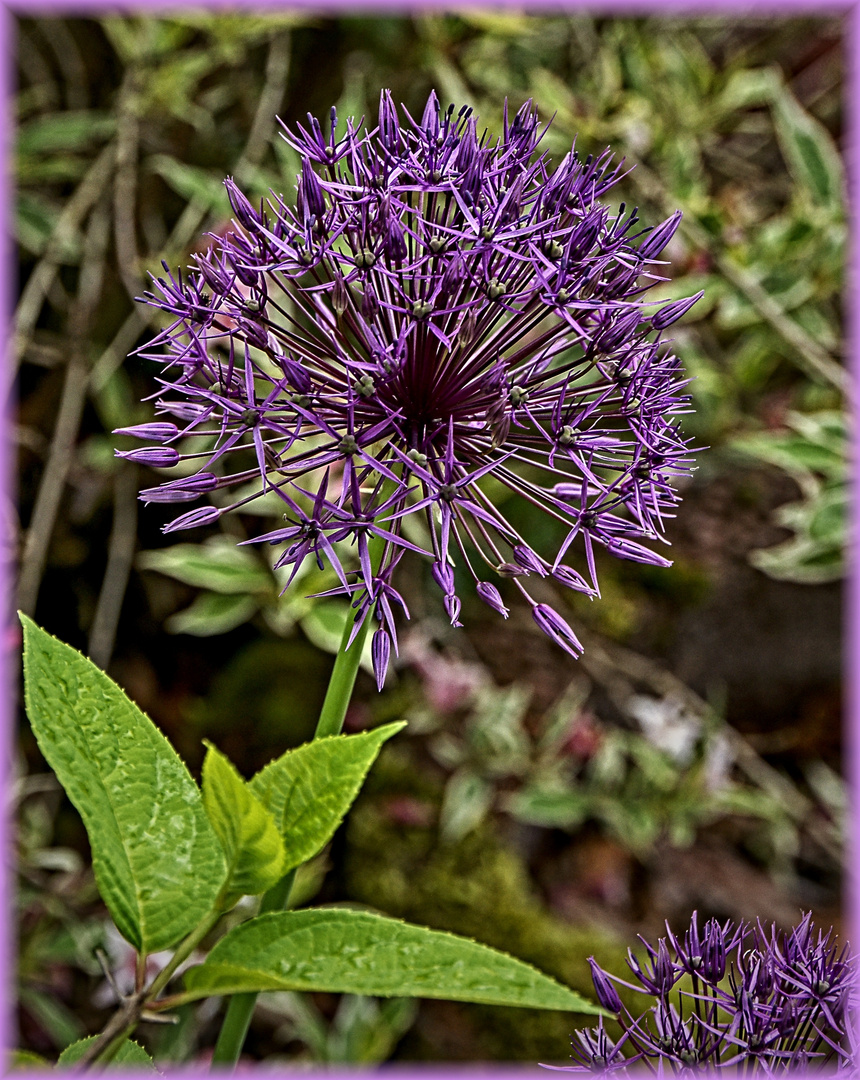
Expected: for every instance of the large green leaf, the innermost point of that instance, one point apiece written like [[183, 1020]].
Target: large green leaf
[[157, 861], [356, 952], [308, 790], [130, 1054], [246, 829]]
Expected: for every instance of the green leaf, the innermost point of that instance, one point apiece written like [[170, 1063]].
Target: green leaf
[[211, 614], [558, 808], [809, 151], [247, 831], [356, 952], [793, 453], [219, 566], [801, 560], [749, 88], [156, 858], [64, 132], [310, 789], [468, 798], [27, 1061], [323, 627], [35, 222], [53, 1015], [191, 183], [130, 1053]]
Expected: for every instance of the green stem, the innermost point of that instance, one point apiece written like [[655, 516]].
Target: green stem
[[237, 1019], [342, 681], [185, 949]]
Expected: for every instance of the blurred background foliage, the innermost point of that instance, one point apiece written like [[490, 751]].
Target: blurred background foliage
[[691, 759]]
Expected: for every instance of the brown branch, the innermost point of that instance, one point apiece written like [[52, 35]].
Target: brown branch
[[88, 192], [125, 183], [53, 481], [120, 554]]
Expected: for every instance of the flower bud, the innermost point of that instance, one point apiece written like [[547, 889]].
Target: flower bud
[[205, 515], [443, 575], [159, 457], [659, 237], [380, 651], [555, 628], [491, 595], [672, 312], [607, 995], [157, 432]]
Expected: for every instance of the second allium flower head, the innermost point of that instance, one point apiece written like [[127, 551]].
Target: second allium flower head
[[438, 308]]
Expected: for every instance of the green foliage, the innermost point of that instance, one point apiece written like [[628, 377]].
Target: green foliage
[[63, 132], [358, 952], [210, 614], [666, 781], [815, 454], [130, 1055], [309, 790], [218, 565], [249, 836], [155, 856], [640, 793], [239, 585], [810, 153], [363, 1031], [141, 809]]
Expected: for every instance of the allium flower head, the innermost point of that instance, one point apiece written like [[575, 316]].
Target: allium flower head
[[437, 308], [754, 1002]]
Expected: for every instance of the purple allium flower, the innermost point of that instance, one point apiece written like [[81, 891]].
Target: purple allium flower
[[439, 308], [780, 1001]]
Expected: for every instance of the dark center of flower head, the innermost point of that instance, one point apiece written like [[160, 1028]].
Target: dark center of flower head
[[448, 492]]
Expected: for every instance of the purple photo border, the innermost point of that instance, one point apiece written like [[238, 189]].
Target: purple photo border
[[9, 636]]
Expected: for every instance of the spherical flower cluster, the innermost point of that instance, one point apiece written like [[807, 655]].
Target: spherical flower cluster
[[437, 310], [755, 1002]]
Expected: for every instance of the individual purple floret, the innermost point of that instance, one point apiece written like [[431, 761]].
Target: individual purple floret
[[438, 315], [751, 1002]]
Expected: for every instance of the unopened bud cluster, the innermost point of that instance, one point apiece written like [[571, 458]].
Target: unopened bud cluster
[[737, 1000]]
